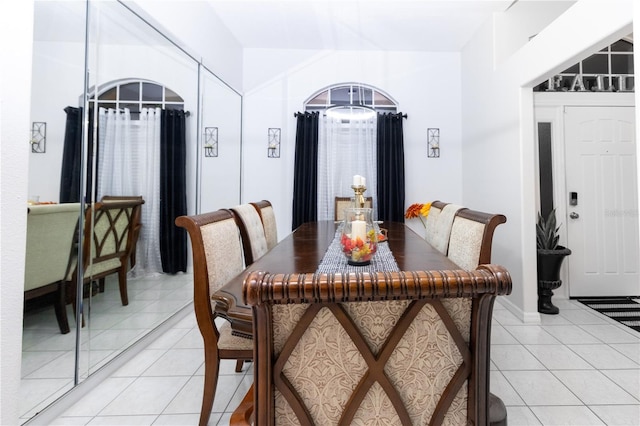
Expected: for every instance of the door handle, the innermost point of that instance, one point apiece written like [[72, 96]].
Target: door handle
[[574, 215]]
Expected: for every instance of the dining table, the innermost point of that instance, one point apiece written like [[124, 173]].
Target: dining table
[[305, 250]]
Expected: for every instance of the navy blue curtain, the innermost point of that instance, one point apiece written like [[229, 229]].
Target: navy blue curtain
[[71, 174], [173, 191], [390, 163], [305, 170]]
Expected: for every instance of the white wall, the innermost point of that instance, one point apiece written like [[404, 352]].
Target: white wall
[[498, 143], [16, 32], [425, 85]]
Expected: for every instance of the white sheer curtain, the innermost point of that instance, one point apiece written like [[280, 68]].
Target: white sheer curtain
[[345, 148], [129, 164]]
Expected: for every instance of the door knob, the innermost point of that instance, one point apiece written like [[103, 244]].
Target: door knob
[[574, 215]]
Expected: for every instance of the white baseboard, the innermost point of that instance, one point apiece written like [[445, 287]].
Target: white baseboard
[[525, 317]]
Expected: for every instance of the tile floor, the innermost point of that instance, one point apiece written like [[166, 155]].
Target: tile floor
[[48, 357], [576, 368]]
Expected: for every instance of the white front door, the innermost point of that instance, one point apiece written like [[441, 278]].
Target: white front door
[[602, 222]]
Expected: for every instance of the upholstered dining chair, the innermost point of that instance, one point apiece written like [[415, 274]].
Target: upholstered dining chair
[[432, 219], [217, 257], [254, 240], [51, 232], [342, 203], [472, 236], [398, 348], [469, 246], [106, 244], [268, 218], [439, 230]]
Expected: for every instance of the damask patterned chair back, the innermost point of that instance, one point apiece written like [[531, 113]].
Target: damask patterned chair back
[[432, 219], [438, 229], [254, 240], [217, 257], [397, 348], [268, 218], [471, 237], [107, 240], [342, 203]]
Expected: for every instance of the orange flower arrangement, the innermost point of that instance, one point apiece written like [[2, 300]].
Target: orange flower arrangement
[[421, 211]]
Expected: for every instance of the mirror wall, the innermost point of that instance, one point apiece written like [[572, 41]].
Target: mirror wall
[[85, 50]]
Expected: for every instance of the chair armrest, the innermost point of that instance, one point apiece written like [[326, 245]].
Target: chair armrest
[[243, 414]]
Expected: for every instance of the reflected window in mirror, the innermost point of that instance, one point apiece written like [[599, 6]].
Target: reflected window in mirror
[[136, 95]]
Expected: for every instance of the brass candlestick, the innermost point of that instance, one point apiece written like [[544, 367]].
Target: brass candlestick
[[359, 194]]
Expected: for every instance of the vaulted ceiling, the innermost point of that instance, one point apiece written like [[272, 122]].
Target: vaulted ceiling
[[426, 25]]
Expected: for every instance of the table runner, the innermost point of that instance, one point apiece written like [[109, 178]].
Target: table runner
[[334, 259]]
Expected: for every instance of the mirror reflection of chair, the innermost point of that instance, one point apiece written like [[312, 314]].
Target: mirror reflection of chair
[[137, 223], [342, 203], [106, 244], [51, 232], [321, 360], [217, 257], [268, 218], [254, 241]]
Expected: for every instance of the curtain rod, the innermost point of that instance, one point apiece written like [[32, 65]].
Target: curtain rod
[[296, 114]]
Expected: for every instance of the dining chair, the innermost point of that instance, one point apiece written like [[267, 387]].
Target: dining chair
[[342, 203], [439, 232], [472, 236], [401, 348], [217, 257], [51, 232], [137, 222], [470, 246], [254, 240], [268, 218], [432, 218], [106, 244]]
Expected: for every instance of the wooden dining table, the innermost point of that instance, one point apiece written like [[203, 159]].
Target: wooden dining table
[[304, 249]]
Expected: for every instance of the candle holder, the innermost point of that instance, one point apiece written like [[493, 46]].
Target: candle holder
[[359, 195], [359, 239]]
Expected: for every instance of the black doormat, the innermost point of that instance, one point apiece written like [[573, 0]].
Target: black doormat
[[622, 309]]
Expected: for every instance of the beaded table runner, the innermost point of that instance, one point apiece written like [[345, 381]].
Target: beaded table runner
[[334, 259]]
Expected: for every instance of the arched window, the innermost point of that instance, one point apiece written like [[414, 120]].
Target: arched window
[[347, 140], [135, 95], [350, 94]]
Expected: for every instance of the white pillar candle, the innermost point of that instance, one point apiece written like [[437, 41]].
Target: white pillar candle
[[356, 180], [359, 229], [363, 181]]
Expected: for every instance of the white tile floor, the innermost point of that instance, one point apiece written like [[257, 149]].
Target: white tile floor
[[48, 357], [575, 368]]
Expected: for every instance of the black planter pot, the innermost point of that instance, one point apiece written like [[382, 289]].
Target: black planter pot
[[549, 264]]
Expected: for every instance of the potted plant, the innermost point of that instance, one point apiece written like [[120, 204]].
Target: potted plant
[[550, 257]]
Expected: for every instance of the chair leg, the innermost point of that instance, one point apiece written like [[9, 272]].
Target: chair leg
[[60, 307], [211, 369], [101, 285], [239, 364], [122, 281]]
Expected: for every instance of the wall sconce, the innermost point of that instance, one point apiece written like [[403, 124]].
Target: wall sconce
[[38, 137], [273, 150], [210, 141], [433, 142]]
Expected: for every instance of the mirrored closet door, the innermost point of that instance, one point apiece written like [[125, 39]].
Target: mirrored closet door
[[105, 84]]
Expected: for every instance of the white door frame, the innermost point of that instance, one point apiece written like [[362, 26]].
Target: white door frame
[[549, 107]]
